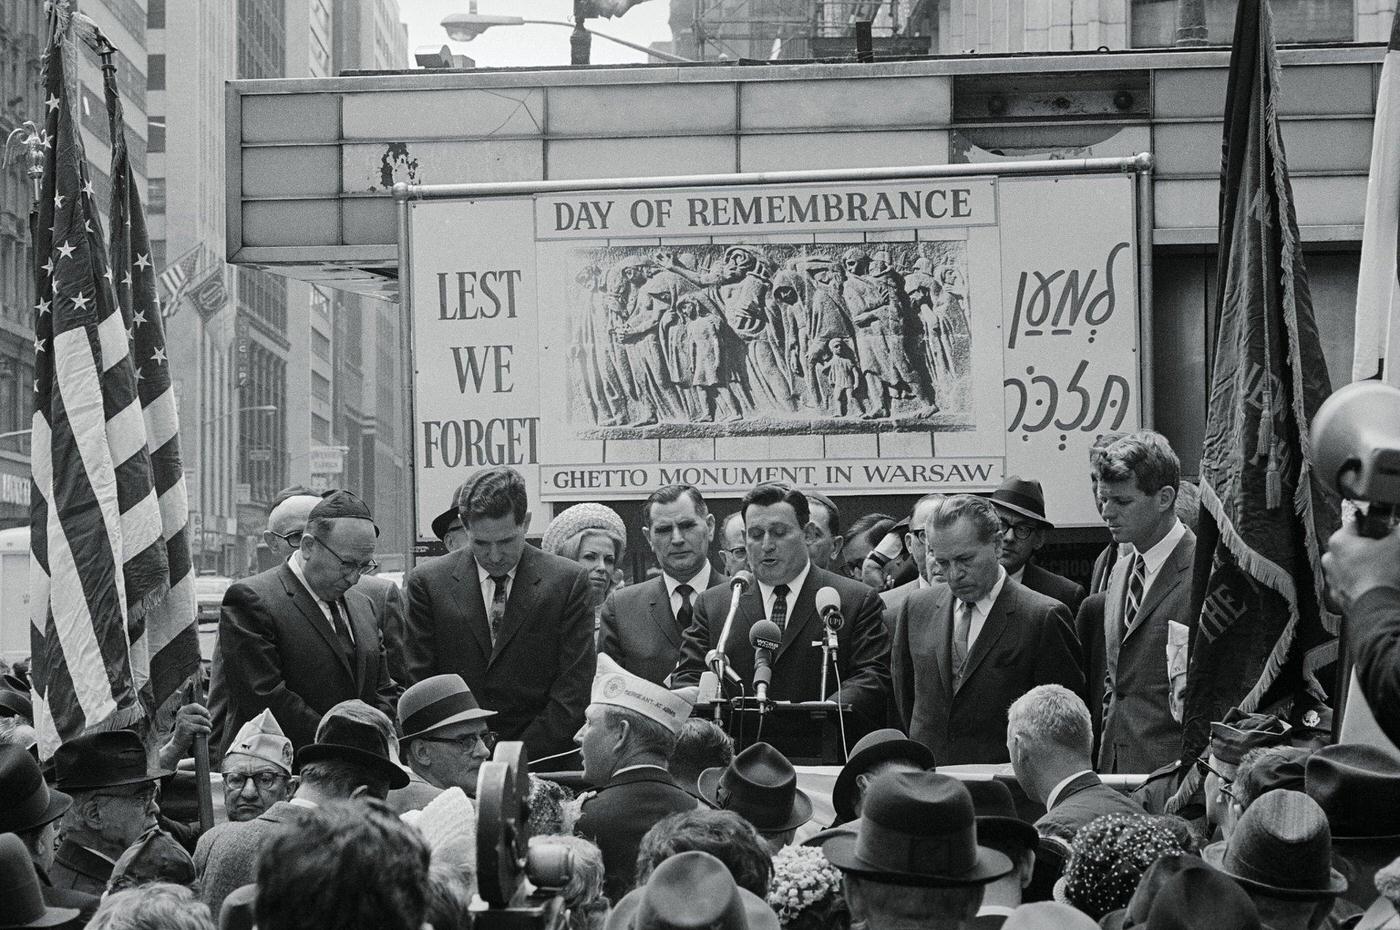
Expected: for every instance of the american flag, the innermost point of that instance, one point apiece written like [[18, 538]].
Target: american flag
[[111, 586], [176, 276]]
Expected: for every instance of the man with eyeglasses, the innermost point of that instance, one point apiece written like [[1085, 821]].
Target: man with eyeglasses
[[915, 540], [446, 737], [1021, 505], [114, 803], [736, 551], [297, 639], [257, 769]]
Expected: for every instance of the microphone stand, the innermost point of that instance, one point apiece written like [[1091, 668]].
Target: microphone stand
[[717, 659]]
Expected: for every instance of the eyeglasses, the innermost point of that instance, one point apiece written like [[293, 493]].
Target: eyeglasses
[[918, 534], [349, 567], [1225, 782], [292, 539], [145, 792], [467, 741], [265, 781], [1019, 530], [738, 552]]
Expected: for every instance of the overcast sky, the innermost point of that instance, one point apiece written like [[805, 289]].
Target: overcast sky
[[520, 46]]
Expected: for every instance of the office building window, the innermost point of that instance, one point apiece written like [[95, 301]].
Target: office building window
[[155, 72], [155, 14], [155, 134]]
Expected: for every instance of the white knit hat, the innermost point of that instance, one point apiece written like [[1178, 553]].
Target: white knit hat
[[448, 823], [574, 520]]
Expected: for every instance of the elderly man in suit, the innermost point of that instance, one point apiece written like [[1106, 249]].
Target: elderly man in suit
[[513, 621], [916, 542], [297, 639], [641, 624], [1147, 605], [777, 523], [964, 650], [1048, 738], [1021, 504]]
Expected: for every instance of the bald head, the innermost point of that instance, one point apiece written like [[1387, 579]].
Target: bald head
[[288, 518]]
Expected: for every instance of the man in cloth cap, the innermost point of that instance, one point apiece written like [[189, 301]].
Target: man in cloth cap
[[296, 638], [349, 759], [913, 859], [629, 732], [446, 737], [1021, 504], [114, 803], [257, 769], [30, 810], [760, 785], [1230, 739]]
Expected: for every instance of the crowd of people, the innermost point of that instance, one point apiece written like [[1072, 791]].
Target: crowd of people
[[1010, 739]]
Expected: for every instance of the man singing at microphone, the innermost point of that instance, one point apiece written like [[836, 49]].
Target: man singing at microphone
[[777, 527]]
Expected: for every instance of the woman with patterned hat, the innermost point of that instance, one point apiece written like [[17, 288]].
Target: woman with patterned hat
[[595, 537]]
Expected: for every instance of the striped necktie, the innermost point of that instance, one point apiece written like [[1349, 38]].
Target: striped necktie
[[1135, 585], [780, 593]]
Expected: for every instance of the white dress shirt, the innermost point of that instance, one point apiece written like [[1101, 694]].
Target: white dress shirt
[[699, 583], [488, 587], [982, 609], [794, 586]]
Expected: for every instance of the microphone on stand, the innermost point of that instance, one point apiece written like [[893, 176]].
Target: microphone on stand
[[712, 681], [765, 637], [829, 608]]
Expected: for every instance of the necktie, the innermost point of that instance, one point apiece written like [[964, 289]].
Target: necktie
[[687, 610], [498, 604], [962, 628], [780, 593], [1135, 584], [342, 630]]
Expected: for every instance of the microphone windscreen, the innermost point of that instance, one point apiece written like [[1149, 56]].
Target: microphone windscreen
[[765, 635], [742, 579], [827, 598]]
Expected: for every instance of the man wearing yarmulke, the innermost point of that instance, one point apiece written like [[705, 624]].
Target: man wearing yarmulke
[[296, 639], [513, 621], [629, 732]]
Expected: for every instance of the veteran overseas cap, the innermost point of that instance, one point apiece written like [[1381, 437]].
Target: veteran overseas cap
[[616, 686]]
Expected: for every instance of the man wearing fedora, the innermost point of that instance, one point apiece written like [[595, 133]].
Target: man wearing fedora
[[296, 638], [1146, 608], [29, 809], [1356, 784], [349, 759], [778, 526], [999, 828], [1281, 854], [446, 737], [1049, 739], [1021, 504], [114, 803], [874, 754], [641, 625], [913, 859], [629, 731], [964, 650], [760, 785], [692, 889], [514, 622], [447, 527], [24, 903]]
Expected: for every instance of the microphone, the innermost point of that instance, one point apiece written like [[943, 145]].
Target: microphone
[[717, 658], [765, 637], [743, 579], [829, 607]]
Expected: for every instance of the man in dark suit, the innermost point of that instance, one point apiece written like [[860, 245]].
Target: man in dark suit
[[629, 732], [641, 624], [296, 638], [1021, 504], [964, 650], [1049, 741], [1147, 608], [513, 621], [1088, 626], [916, 543], [29, 809], [777, 526]]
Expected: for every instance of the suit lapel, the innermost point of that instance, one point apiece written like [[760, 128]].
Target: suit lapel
[[803, 613], [1113, 612], [661, 612], [361, 617], [1171, 576], [1002, 613], [520, 604], [940, 628], [473, 608], [315, 619]]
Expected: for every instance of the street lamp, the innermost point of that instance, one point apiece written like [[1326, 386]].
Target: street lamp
[[463, 27]]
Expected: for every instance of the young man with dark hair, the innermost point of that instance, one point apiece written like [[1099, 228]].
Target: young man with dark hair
[[513, 621]]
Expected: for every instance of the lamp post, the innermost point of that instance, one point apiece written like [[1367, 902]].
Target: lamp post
[[463, 27]]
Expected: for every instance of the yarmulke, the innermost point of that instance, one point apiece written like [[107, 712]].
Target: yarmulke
[[337, 504], [574, 520], [1110, 856]]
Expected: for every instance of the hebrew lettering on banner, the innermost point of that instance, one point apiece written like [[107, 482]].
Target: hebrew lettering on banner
[[768, 338]]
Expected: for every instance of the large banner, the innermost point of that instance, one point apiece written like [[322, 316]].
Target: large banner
[[898, 337]]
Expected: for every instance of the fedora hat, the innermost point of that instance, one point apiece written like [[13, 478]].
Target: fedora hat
[[25, 799], [442, 523], [691, 890], [103, 760], [889, 745], [916, 828], [1282, 848], [760, 785], [1022, 496], [997, 819], [1140, 904], [1201, 897], [1351, 782], [21, 891], [349, 740], [14, 699], [438, 702]]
